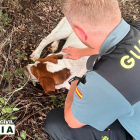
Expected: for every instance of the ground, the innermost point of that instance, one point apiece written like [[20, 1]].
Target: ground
[[23, 24]]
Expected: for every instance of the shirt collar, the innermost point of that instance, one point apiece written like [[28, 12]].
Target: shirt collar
[[115, 36]]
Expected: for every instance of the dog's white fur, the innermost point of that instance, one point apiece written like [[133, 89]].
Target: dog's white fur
[[77, 67], [61, 31]]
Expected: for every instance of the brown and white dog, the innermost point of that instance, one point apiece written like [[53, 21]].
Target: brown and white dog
[[54, 71]]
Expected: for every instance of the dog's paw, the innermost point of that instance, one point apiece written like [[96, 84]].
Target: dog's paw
[[53, 47], [35, 55]]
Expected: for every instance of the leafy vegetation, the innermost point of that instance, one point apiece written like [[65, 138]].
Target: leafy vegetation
[[4, 20]]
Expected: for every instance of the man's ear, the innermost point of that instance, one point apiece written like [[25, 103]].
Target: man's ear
[[47, 84], [80, 33]]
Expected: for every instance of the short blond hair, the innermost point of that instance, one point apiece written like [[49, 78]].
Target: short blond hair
[[93, 12]]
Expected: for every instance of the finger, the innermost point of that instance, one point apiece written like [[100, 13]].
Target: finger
[[65, 50], [69, 57], [70, 47]]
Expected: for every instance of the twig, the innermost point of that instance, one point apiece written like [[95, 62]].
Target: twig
[[4, 137], [37, 100], [3, 7], [25, 110], [7, 39], [29, 136], [6, 59], [9, 135], [18, 89], [16, 101], [1, 62], [27, 117]]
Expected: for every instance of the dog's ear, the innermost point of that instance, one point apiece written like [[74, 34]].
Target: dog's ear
[[51, 58], [47, 84], [61, 76]]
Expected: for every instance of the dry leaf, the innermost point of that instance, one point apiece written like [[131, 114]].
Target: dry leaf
[[27, 9], [42, 114], [17, 60], [50, 8], [54, 8], [21, 27], [42, 18], [32, 50], [40, 118], [24, 47], [12, 11], [45, 9], [40, 94]]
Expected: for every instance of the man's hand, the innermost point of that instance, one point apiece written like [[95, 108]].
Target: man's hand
[[76, 53], [73, 53]]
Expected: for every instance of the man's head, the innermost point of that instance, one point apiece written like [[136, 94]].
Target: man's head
[[92, 18]]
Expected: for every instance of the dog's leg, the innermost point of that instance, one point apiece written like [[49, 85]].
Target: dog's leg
[[53, 47], [36, 54], [58, 27], [63, 33]]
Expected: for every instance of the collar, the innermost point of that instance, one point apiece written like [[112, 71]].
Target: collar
[[115, 36]]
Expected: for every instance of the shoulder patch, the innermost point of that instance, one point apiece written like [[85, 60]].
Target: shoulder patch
[[79, 94]]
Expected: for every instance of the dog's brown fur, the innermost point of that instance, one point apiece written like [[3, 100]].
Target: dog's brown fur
[[47, 79]]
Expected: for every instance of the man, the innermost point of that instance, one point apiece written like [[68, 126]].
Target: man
[[111, 90]]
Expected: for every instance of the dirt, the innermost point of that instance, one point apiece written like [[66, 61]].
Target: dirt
[[31, 21]]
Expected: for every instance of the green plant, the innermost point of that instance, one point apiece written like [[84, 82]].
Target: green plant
[[1, 28], [124, 1], [19, 138], [54, 100], [6, 110], [62, 101], [8, 75], [37, 138], [18, 72], [34, 83], [59, 102], [4, 19], [23, 135], [20, 55], [24, 42]]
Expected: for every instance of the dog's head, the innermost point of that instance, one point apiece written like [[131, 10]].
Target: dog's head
[[49, 71]]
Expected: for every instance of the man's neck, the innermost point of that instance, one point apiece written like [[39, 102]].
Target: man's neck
[[96, 40]]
